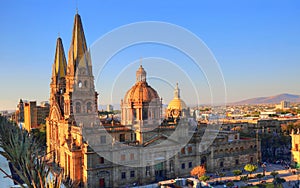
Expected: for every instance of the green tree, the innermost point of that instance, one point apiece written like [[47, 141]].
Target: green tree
[[221, 174], [259, 176], [250, 168], [204, 178], [23, 150], [274, 174], [230, 184], [237, 173], [279, 180], [244, 178]]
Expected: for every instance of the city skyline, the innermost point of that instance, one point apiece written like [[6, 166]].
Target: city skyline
[[255, 44]]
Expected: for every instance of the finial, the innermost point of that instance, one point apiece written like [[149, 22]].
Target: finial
[[58, 35], [141, 61], [76, 6]]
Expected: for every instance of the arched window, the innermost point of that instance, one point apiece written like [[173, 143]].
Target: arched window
[[78, 107], [80, 84], [89, 107], [85, 83]]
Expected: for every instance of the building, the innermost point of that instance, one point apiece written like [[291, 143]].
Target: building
[[34, 115], [141, 148], [109, 108], [19, 114], [295, 151], [284, 105]]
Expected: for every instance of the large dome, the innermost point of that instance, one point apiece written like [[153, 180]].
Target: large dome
[[141, 91]]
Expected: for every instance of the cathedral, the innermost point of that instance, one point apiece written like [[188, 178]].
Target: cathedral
[[143, 147]]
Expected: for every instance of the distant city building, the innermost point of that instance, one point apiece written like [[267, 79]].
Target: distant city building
[[283, 105], [109, 108], [19, 114], [35, 115], [115, 155]]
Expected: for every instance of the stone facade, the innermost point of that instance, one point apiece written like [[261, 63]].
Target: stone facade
[[139, 150]]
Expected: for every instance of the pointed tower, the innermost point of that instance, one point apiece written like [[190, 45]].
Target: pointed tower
[[79, 77], [59, 70]]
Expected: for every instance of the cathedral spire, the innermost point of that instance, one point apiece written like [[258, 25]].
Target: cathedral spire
[[60, 60], [78, 48]]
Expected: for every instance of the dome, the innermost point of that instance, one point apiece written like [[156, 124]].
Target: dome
[[177, 104], [141, 91]]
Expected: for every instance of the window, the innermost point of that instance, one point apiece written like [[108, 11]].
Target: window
[[182, 150], [171, 163], [131, 156], [132, 174], [122, 137], [190, 164], [78, 107], [79, 84], [221, 164], [251, 159], [123, 175], [183, 166], [296, 147], [147, 170], [85, 83], [236, 161], [123, 157], [103, 139], [89, 108], [101, 160], [190, 149]]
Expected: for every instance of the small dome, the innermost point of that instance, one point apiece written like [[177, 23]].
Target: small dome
[[177, 104], [141, 91]]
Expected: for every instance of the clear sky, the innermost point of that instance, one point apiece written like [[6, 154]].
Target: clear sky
[[256, 43]]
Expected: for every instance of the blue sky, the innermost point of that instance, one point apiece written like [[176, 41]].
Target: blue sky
[[256, 44]]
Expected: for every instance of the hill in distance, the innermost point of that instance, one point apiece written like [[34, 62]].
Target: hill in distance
[[270, 100]]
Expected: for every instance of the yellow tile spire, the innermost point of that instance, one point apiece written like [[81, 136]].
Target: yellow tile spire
[[60, 60], [78, 47]]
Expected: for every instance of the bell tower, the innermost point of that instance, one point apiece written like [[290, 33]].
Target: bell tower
[[79, 77], [58, 80]]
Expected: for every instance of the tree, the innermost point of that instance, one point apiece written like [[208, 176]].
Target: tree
[[24, 152], [204, 178], [259, 176], [237, 173], [274, 174], [198, 171], [230, 184], [250, 168], [244, 178], [279, 180], [221, 174]]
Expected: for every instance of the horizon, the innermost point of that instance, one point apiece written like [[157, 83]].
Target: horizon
[[255, 43]]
